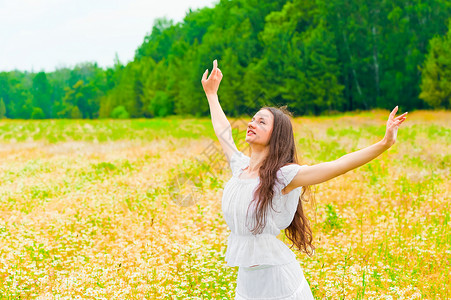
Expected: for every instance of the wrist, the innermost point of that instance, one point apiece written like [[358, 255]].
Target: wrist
[[384, 142]]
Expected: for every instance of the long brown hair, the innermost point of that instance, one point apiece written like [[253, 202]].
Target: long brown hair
[[282, 151]]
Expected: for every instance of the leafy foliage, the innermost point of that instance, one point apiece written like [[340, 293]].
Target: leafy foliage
[[120, 113], [316, 56], [436, 75]]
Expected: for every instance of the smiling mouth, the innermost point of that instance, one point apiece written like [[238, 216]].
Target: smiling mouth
[[249, 132]]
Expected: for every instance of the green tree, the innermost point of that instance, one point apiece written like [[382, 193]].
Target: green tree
[[120, 112], [299, 66], [42, 95], [160, 105], [317, 56], [83, 96], [75, 113], [2, 109], [37, 113], [436, 73]]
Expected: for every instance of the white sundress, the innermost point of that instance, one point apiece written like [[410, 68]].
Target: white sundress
[[278, 274]]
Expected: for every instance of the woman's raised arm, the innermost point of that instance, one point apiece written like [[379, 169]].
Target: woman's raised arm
[[221, 125], [325, 171]]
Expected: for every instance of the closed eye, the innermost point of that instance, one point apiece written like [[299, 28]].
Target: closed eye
[[260, 121]]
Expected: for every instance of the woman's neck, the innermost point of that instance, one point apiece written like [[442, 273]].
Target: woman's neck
[[257, 158]]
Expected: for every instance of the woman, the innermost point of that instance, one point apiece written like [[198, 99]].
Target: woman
[[264, 196]]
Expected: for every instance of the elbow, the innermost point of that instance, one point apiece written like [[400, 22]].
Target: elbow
[[341, 167]]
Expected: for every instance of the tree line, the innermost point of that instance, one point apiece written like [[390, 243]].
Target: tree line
[[316, 56]]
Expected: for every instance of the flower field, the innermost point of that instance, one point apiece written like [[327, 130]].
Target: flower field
[[88, 210]]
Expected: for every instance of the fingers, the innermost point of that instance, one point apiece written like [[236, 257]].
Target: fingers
[[398, 122], [401, 116], [204, 76], [393, 112], [214, 71]]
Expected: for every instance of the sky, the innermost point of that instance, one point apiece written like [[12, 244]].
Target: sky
[[42, 35]]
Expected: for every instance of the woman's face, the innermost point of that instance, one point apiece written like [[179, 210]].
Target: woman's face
[[259, 129]]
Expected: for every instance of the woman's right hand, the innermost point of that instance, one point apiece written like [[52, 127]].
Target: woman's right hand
[[211, 84]]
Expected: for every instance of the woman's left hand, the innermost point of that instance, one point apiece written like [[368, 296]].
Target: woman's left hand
[[392, 126]]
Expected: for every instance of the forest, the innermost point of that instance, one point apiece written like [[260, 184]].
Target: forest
[[315, 56]]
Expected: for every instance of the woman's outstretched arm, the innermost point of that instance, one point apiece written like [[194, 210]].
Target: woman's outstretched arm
[[221, 125], [322, 172]]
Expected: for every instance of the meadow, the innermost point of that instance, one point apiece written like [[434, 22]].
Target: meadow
[[87, 209]]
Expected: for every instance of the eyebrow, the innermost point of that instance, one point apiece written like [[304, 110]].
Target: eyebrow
[[263, 116]]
